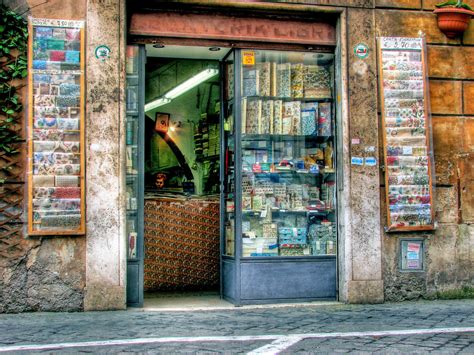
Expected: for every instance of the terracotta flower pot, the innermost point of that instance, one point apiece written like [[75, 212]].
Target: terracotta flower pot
[[453, 21]]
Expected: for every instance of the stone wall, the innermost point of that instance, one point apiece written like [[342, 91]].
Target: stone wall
[[449, 250]]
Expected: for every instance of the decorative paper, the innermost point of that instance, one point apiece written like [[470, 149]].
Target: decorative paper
[[283, 80], [408, 155], [55, 189], [317, 82]]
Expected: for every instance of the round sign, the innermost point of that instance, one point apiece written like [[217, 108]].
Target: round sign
[[102, 53], [361, 50]]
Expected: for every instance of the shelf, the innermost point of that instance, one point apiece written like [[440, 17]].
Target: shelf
[[310, 212], [302, 99], [291, 172], [285, 138]]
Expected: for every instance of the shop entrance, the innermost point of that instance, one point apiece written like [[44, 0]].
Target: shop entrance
[[180, 171], [256, 123]]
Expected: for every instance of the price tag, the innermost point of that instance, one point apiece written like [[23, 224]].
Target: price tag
[[248, 58]]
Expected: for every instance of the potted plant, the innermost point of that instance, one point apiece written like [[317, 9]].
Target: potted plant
[[453, 17]]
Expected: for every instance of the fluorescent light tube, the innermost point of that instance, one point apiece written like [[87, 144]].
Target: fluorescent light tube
[[181, 89], [156, 103]]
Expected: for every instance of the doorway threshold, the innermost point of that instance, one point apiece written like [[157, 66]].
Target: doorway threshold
[[208, 301], [185, 301]]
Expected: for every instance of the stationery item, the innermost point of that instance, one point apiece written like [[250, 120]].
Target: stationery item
[[230, 80], [297, 80], [73, 57], [283, 80], [68, 89], [317, 82], [68, 123], [264, 70], [40, 64], [328, 156], [273, 79], [55, 44], [43, 180], [67, 101], [250, 82], [266, 122], [67, 181], [309, 117], [253, 116], [277, 117], [57, 56], [43, 32], [325, 119], [291, 118]]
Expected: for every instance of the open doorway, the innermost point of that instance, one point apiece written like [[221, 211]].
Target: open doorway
[[181, 174]]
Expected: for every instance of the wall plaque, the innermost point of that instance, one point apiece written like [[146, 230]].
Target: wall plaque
[[406, 128], [56, 127]]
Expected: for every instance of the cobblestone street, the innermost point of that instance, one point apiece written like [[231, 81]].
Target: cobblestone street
[[421, 327]]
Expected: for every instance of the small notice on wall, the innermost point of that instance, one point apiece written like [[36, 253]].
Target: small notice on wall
[[56, 127], [407, 134]]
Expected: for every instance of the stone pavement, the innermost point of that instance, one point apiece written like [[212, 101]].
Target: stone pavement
[[293, 329]]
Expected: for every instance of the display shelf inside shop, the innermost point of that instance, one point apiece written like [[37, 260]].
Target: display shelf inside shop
[[290, 98]]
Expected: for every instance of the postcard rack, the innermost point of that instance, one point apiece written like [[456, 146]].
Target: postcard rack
[[56, 191], [406, 134]]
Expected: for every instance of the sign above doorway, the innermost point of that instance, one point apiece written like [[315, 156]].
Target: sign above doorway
[[223, 27]]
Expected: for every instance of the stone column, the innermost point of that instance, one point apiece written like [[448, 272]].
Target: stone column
[[364, 274], [105, 253]]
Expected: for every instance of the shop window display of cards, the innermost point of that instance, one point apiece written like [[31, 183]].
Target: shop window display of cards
[[56, 128], [407, 134], [288, 160]]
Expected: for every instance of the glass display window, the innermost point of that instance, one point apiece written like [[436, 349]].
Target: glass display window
[[288, 179]]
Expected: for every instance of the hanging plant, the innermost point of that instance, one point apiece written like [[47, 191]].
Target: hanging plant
[[453, 17], [13, 66]]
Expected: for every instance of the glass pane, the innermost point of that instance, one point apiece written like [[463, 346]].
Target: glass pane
[[229, 165], [288, 167], [131, 140]]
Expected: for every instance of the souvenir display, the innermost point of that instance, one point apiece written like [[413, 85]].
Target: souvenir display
[[56, 128], [407, 136], [287, 160], [133, 136]]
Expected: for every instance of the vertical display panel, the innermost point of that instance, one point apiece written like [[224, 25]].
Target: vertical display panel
[[406, 134], [56, 191], [288, 179]]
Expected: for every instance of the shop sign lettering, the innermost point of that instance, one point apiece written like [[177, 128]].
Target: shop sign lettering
[[231, 28]]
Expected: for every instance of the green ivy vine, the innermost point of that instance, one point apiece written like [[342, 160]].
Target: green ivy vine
[[13, 66]]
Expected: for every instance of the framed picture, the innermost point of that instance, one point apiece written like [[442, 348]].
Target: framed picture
[[162, 121]]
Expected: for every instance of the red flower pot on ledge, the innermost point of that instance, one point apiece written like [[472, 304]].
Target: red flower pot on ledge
[[453, 21]]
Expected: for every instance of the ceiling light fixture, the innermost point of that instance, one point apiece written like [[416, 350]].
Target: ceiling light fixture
[[181, 89]]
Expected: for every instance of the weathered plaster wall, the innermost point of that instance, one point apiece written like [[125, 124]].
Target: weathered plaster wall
[[43, 274], [106, 261], [449, 250]]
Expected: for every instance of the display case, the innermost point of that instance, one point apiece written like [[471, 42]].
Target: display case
[[134, 133], [56, 191], [279, 193], [406, 122]]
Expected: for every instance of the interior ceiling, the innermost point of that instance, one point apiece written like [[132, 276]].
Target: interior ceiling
[[186, 52]]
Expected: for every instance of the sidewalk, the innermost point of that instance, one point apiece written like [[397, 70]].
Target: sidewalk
[[307, 328]]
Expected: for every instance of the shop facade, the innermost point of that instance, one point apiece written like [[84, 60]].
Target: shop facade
[[365, 262]]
